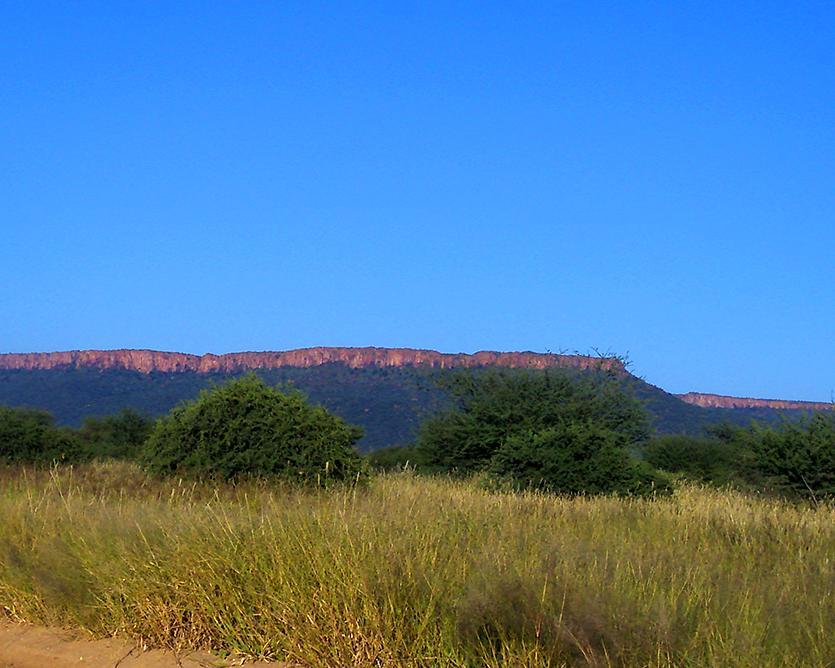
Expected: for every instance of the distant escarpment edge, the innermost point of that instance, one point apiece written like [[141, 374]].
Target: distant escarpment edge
[[721, 401], [148, 361]]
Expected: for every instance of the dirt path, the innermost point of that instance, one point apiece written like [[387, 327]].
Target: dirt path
[[24, 646]]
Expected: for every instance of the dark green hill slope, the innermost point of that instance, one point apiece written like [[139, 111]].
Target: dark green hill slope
[[388, 403], [671, 415]]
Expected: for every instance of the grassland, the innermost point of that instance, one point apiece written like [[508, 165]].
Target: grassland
[[413, 571]]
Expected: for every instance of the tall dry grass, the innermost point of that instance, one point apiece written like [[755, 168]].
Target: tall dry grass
[[418, 572]]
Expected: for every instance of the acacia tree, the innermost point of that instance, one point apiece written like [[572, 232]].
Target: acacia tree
[[551, 429]]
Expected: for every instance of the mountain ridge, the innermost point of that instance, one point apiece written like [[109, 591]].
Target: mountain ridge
[[707, 400], [364, 386], [77, 383], [147, 361]]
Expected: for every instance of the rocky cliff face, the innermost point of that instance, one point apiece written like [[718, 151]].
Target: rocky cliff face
[[147, 361], [720, 401]]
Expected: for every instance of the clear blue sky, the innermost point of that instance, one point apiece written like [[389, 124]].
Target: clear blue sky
[[650, 178]]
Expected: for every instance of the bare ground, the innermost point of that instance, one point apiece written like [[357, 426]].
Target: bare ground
[[25, 646]]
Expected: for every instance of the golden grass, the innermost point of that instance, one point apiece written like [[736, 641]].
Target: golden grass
[[412, 571]]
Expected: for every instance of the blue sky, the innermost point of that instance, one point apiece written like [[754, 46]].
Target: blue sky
[[656, 179]]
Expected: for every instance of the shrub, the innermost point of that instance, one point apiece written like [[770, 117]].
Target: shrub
[[495, 405], [395, 457], [548, 430], [245, 428], [118, 436], [799, 457], [704, 459], [30, 437], [574, 458]]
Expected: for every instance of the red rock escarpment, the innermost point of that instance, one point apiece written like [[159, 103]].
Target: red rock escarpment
[[147, 361], [720, 401]]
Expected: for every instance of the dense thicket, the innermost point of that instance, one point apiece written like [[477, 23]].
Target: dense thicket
[[388, 403], [549, 430], [795, 457], [31, 437], [553, 430], [798, 457], [494, 405], [245, 428], [118, 436], [397, 457], [574, 458], [718, 458]]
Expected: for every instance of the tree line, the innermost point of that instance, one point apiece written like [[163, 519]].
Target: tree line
[[552, 430]]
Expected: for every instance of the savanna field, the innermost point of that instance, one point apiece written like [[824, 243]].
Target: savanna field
[[420, 571], [417, 335]]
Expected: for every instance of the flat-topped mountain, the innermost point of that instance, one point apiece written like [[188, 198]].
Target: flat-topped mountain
[[387, 391], [722, 401], [147, 361]]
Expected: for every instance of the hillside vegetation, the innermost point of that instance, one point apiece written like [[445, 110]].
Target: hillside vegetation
[[553, 431], [388, 403], [413, 571]]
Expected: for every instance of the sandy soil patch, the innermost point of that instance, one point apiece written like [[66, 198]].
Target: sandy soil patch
[[25, 646]]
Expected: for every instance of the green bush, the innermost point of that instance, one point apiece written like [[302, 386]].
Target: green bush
[[799, 456], [494, 405], [550, 430], [395, 457], [706, 459], [574, 458], [119, 436], [245, 428], [30, 437]]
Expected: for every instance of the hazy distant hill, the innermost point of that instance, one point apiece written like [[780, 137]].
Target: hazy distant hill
[[388, 401]]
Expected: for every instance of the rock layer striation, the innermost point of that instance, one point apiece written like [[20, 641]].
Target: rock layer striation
[[151, 361], [148, 361], [721, 401]]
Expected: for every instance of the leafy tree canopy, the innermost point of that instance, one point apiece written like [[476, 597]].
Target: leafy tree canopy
[[574, 458], [395, 457], [31, 437], [494, 405], [551, 430], [799, 457], [120, 435], [720, 458]]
